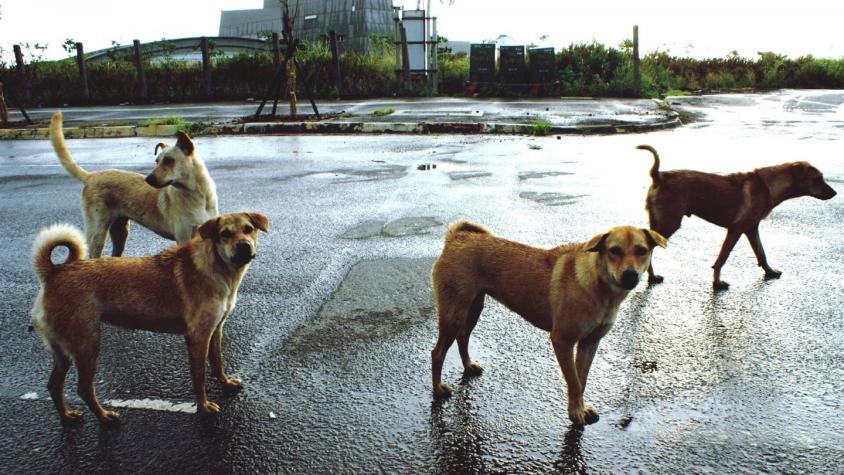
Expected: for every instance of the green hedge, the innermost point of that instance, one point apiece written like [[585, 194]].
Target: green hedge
[[586, 69]]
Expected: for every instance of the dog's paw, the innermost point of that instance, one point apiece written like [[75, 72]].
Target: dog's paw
[[583, 415], [442, 391], [472, 369], [72, 417], [655, 279], [720, 285], [772, 274], [232, 384], [208, 408], [109, 417], [591, 414]]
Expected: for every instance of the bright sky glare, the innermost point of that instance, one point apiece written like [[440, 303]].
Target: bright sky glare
[[700, 29]]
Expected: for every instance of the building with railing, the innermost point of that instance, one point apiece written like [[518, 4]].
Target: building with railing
[[354, 21]]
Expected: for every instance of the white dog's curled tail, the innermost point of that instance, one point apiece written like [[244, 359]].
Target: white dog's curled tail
[[51, 237], [57, 139]]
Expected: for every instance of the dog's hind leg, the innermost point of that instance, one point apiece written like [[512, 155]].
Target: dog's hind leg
[[61, 365], [453, 311], [86, 366], [119, 232], [733, 236], [470, 368], [756, 243], [96, 229]]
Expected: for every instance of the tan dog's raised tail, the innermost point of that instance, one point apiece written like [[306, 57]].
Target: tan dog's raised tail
[[188, 289], [572, 291], [172, 201], [738, 202]]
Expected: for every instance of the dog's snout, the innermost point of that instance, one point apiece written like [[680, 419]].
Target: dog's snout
[[243, 252], [629, 279], [150, 179], [243, 247]]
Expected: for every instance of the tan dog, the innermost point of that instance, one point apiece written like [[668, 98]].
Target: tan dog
[[172, 201], [188, 289], [572, 291], [737, 202]]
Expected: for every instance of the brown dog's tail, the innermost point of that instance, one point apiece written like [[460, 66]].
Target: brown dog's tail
[[655, 168], [57, 139], [51, 237], [464, 226]]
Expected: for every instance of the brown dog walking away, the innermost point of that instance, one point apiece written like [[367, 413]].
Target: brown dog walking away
[[172, 201], [738, 202], [188, 289], [572, 291]]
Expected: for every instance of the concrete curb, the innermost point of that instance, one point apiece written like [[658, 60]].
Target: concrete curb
[[297, 128]]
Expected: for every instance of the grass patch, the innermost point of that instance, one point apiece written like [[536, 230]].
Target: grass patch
[[179, 122], [540, 127], [676, 92], [346, 115], [382, 112], [182, 125]]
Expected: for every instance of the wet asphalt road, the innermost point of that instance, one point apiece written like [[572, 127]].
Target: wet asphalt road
[[334, 322]]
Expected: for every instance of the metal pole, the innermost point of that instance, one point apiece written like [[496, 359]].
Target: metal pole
[[405, 60], [139, 65], [22, 77], [206, 69], [435, 60], [276, 56], [637, 78], [83, 71], [335, 59]]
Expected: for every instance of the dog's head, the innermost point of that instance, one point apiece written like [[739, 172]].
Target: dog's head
[[625, 253], [235, 236], [172, 163], [809, 181]]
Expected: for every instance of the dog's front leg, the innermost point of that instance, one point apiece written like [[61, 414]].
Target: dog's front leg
[[564, 349], [197, 354], [215, 356], [756, 243], [733, 235]]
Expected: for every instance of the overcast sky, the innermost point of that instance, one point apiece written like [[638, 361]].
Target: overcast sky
[[699, 29]]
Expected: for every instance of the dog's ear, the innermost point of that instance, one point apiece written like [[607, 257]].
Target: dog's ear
[[259, 221], [159, 145], [654, 238], [596, 244], [210, 229], [184, 143]]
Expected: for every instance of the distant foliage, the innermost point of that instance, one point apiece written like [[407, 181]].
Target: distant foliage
[[583, 69]]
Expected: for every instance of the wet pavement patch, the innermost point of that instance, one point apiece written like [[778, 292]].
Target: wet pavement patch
[[551, 198], [387, 172], [377, 299], [465, 175], [408, 226], [364, 230], [645, 366], [534, 175]]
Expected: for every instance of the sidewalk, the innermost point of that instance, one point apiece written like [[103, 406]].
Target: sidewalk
[[401, 116]]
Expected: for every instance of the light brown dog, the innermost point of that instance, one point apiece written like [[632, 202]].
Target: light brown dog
[[188, 289], [737, 202], [172, 201], [572, 291]]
